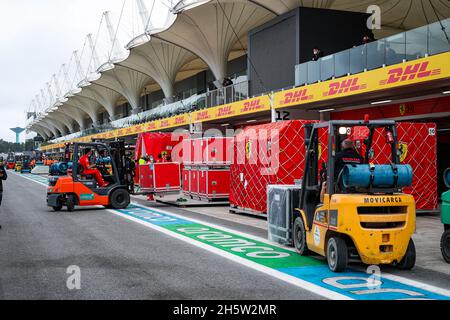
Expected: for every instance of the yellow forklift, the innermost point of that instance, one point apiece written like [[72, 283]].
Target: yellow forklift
[[361, 212]]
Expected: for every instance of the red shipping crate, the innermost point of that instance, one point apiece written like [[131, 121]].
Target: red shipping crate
[[160, 177], [214, 184], [251, 174], [194, 181], [146, 179], [186, 180], [202, 182], [188, 151], [218, 151], [198, 149]]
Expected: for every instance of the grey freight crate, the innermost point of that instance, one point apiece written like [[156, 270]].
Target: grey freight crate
[[281, 202]]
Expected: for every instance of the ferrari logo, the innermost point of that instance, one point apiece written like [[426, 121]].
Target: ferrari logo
[[248, 149], [402, 109], [403, 149]]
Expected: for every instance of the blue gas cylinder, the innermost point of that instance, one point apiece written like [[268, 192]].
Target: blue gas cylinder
[[447, 177], [60, 168], [359, 176]]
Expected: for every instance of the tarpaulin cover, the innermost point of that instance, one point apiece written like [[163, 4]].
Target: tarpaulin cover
[[256, 164], [154, 144], [418, 148]]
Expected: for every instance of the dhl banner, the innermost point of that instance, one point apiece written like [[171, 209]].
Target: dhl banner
[[253, 105], [417, 71], [248, 106]]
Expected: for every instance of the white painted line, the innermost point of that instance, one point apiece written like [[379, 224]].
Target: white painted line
[[308, 286], [417, 284]]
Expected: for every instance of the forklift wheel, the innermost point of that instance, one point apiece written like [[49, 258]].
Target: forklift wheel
[[445, 245], [337, 254], [300, 237], [119, 199], [409, 260], [57, 208], [70, 203]]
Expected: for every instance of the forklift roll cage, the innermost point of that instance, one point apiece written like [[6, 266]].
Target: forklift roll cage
[[311, 184], [77, 147]]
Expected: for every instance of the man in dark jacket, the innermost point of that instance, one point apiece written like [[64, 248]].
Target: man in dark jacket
[[348, 155], [3, 176], [317, 54]]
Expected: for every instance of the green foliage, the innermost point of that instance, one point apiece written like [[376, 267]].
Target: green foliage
[[6, 146]]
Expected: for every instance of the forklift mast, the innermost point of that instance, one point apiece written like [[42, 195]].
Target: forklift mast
[[310, 184], [123, 164]]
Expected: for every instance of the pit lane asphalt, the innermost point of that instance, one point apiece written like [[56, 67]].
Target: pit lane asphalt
[[119, 259]]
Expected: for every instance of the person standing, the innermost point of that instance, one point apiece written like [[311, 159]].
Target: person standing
[[3, 176], [317, 54]]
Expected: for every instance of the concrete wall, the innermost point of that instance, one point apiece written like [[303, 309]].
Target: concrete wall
[[277, 46], [273, 54]]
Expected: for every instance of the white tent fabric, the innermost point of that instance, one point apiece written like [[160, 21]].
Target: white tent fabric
[[127, 82], [204, 33], [77, 114], [205, 30], [91, 107], [54, 127], [64, 119], [159, 60], [106, 97]]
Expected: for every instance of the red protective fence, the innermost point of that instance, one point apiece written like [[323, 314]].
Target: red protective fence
[[266, 154]]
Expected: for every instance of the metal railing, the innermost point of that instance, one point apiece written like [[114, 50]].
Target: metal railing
[[225, 95], [411, 45]]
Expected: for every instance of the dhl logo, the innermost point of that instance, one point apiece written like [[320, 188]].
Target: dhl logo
[[180, 120], [296, 96], [225, 111], [164, 123], [203, 115], [344, 86], [411, 72], [120, 132], [138, 129], [129, 131], [151, 126], [252, 106]]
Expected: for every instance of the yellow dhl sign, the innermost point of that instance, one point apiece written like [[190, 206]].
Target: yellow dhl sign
[[253, 105], [234, 109], [417, 71]]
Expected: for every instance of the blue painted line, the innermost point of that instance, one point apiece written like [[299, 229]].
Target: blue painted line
[[152, 216]]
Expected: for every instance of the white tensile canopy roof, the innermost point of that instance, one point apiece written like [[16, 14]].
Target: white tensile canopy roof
[[202, 34]]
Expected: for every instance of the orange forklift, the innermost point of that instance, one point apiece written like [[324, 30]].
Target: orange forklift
[[71, 187]]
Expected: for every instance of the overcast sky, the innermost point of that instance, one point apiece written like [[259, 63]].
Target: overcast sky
[[36, 38]]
